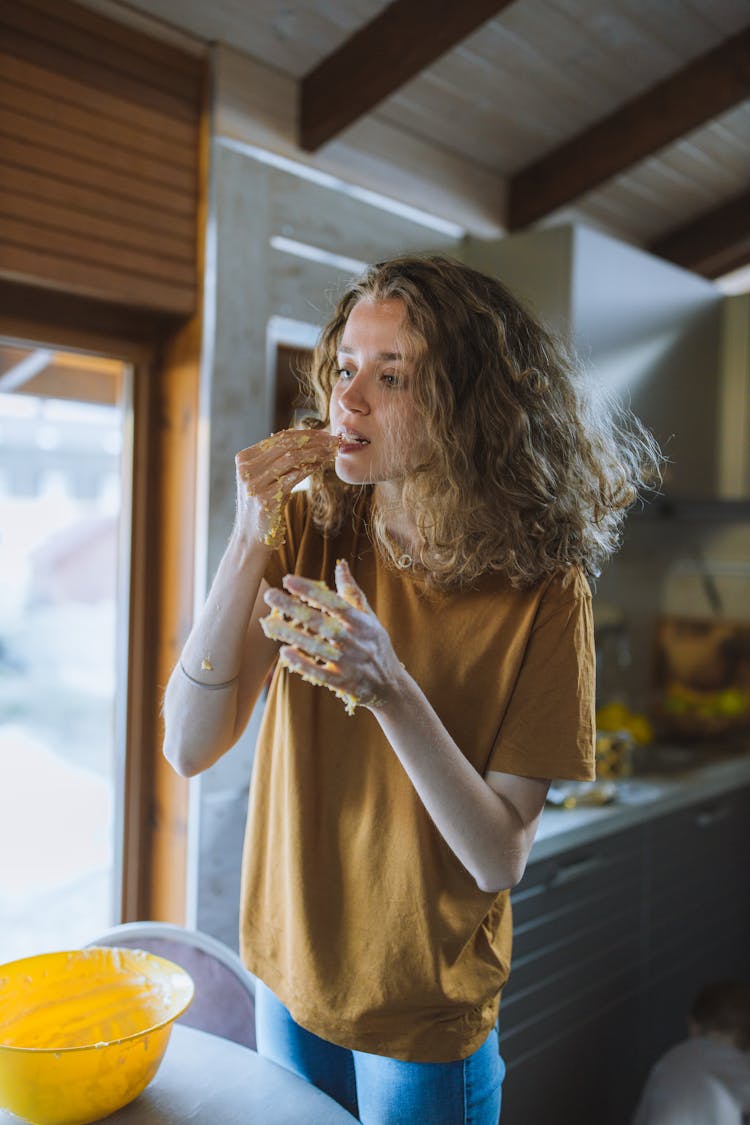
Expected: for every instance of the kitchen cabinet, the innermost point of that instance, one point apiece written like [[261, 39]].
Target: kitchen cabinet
[[574, 985], [612, 939], [696, 910]]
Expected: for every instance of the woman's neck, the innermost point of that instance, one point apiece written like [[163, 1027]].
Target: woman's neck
[[399, 523]]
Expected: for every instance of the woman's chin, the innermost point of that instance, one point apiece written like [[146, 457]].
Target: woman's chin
[[350, 476]]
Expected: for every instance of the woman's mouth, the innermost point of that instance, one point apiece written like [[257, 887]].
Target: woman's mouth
[[351, 442]]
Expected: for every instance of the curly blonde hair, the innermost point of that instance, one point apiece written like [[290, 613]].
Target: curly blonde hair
[[526, 473]]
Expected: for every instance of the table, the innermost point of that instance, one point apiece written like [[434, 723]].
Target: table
[[205, 1080]]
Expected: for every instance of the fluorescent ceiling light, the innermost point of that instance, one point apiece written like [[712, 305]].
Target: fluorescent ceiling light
[[738, 281], [296, 333], [325, 179], [317, 254]]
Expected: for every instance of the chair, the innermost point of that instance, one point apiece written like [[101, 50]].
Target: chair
[[224, 1001]]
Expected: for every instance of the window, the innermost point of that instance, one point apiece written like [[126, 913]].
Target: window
[[65, 471]]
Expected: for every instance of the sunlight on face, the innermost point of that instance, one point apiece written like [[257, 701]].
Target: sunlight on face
[[372, 407]]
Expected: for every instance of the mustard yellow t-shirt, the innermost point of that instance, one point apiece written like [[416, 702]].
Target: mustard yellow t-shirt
[[355, 911]]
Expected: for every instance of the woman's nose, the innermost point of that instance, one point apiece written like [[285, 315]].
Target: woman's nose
[[353, 397]]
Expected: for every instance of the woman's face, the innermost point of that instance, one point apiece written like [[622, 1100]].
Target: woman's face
[[372, 408]]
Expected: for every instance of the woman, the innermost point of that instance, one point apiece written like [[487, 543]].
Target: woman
[[434, 579]]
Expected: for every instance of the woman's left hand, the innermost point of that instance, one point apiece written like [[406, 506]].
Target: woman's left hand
[[333, 638]]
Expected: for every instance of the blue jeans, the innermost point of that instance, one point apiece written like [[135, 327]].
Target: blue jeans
[[378, 1090]]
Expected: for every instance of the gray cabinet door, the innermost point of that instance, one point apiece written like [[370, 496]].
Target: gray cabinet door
[[612, 941], [572, 1000], [697, 911]]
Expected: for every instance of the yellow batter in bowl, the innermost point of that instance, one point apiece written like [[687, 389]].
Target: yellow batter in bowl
[[83, 1032]]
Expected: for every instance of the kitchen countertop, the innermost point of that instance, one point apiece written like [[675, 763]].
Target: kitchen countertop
[[640, 799]]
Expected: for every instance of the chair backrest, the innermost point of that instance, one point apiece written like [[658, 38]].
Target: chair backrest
[[224, 1001]]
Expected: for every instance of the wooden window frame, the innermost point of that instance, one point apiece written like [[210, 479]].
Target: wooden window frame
[[165, 356]]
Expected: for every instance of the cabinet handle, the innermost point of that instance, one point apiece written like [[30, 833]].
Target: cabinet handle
[[574, 870], [706, 818]]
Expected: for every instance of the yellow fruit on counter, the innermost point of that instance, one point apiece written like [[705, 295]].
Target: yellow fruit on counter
[[641, 730], [616, 716], [732, 703], [612, 716]]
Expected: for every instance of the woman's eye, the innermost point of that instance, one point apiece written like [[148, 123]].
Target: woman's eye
[[345, 373], [391, 380]]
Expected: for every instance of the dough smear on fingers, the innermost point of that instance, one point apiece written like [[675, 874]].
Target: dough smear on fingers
[[276, 626], [316, 594], [348, 588], [351, 702], [303, 609], [313, 459]]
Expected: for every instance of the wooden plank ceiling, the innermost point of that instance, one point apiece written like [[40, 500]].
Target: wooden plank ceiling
[[632, 115]]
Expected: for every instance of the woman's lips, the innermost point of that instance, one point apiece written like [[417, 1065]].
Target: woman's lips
[[352, 443]]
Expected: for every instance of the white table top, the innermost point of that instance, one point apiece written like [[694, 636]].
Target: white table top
[[205, 1080]]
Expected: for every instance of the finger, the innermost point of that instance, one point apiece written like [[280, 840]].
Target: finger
[[328, 676], [260, 474], [296, 662], [314, 447], [305, 615], [316, 594], [320, 441], [265, 473], [262, 453], [273, 484], [278, 629], [348, 588]]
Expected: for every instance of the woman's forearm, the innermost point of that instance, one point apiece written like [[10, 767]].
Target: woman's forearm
[[482, 828], [201, 700], [224, 660]]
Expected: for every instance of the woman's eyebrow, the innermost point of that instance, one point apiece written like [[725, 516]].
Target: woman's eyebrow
[[388, 357]]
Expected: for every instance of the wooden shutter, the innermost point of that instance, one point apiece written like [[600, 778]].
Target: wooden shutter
[[99, 146]]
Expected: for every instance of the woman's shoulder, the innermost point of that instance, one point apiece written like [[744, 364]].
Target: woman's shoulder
[[570, 585], [557, 589], [562, 592]]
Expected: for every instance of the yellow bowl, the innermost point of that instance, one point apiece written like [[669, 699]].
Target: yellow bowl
[[83, 1032]]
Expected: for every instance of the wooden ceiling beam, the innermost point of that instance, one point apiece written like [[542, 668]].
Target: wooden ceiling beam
[[393, 48], [713, 244], [706, 87]]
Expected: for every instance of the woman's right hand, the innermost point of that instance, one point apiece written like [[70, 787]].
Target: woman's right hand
[[266, 474]]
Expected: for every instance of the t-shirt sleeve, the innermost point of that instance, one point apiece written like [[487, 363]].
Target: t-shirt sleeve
[[548, 729]]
